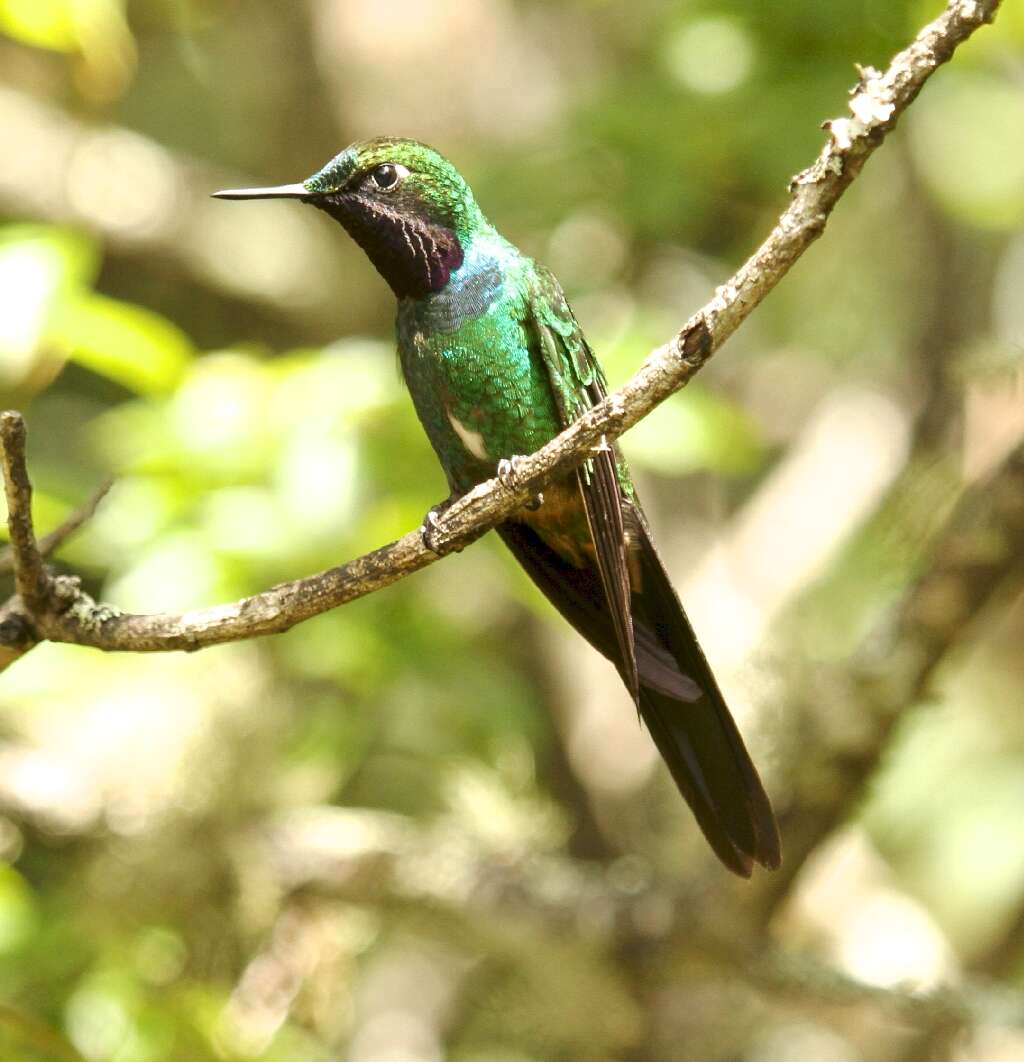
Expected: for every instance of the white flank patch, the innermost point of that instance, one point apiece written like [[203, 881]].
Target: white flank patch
[[472, 440]]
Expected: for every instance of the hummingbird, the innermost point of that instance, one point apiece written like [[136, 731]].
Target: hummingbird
[[497, 365]]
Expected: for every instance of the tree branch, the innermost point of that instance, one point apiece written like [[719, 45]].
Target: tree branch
[[51, 542], [30, 577], [57, 609]]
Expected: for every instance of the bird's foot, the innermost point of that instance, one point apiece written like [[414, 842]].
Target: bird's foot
[[432, 524], [508, 471], [508, 477]]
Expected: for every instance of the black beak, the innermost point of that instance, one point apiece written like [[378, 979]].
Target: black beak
[[281, 191]]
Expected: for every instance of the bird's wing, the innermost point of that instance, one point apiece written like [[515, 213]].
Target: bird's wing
[[577, 384], [638, 622]]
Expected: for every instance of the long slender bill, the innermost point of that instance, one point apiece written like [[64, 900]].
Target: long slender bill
[[280, 191]]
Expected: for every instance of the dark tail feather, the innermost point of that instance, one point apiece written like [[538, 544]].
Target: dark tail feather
[[679, 699], [693, 729]]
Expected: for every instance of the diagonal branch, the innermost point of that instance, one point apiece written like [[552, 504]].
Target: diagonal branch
[[58, 610]]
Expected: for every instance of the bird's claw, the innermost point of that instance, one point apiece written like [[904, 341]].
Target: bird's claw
[[429, 530], [508, 471], [431, 526], [508, 477]]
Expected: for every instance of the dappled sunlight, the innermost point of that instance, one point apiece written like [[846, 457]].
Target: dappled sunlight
[[429, 824], [848, 905], [28, 278], [221, 411], [38, 267], [890, 941], [606, 743], [246, 268], [118, 179], [487, 44], [799, 1041], [980, 174], [832, 478], [113, 744], [710, 55], [173, 572]]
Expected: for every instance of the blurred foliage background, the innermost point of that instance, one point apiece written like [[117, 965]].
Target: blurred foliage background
[[427, 825]]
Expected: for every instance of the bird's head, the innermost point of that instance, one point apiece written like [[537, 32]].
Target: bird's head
[[403, 203]]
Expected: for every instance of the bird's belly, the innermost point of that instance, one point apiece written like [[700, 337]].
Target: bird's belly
[[561, 522], [497, 415], [480, 398]]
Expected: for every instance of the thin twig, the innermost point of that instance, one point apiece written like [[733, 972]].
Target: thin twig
[[52, 541], [876, 104], [29, 573]]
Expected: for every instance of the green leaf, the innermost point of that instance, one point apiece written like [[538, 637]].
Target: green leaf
[[43, 23], [40, 267], [17, 909], [130, 345], [92, 27]]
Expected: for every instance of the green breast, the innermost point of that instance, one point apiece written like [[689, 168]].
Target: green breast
[[471, 362]]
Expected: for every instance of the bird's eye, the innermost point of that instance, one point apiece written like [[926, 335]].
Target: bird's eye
[[388, 175]]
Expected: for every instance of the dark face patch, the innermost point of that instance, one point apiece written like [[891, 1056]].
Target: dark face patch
[[405, 205], [414, 254]]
